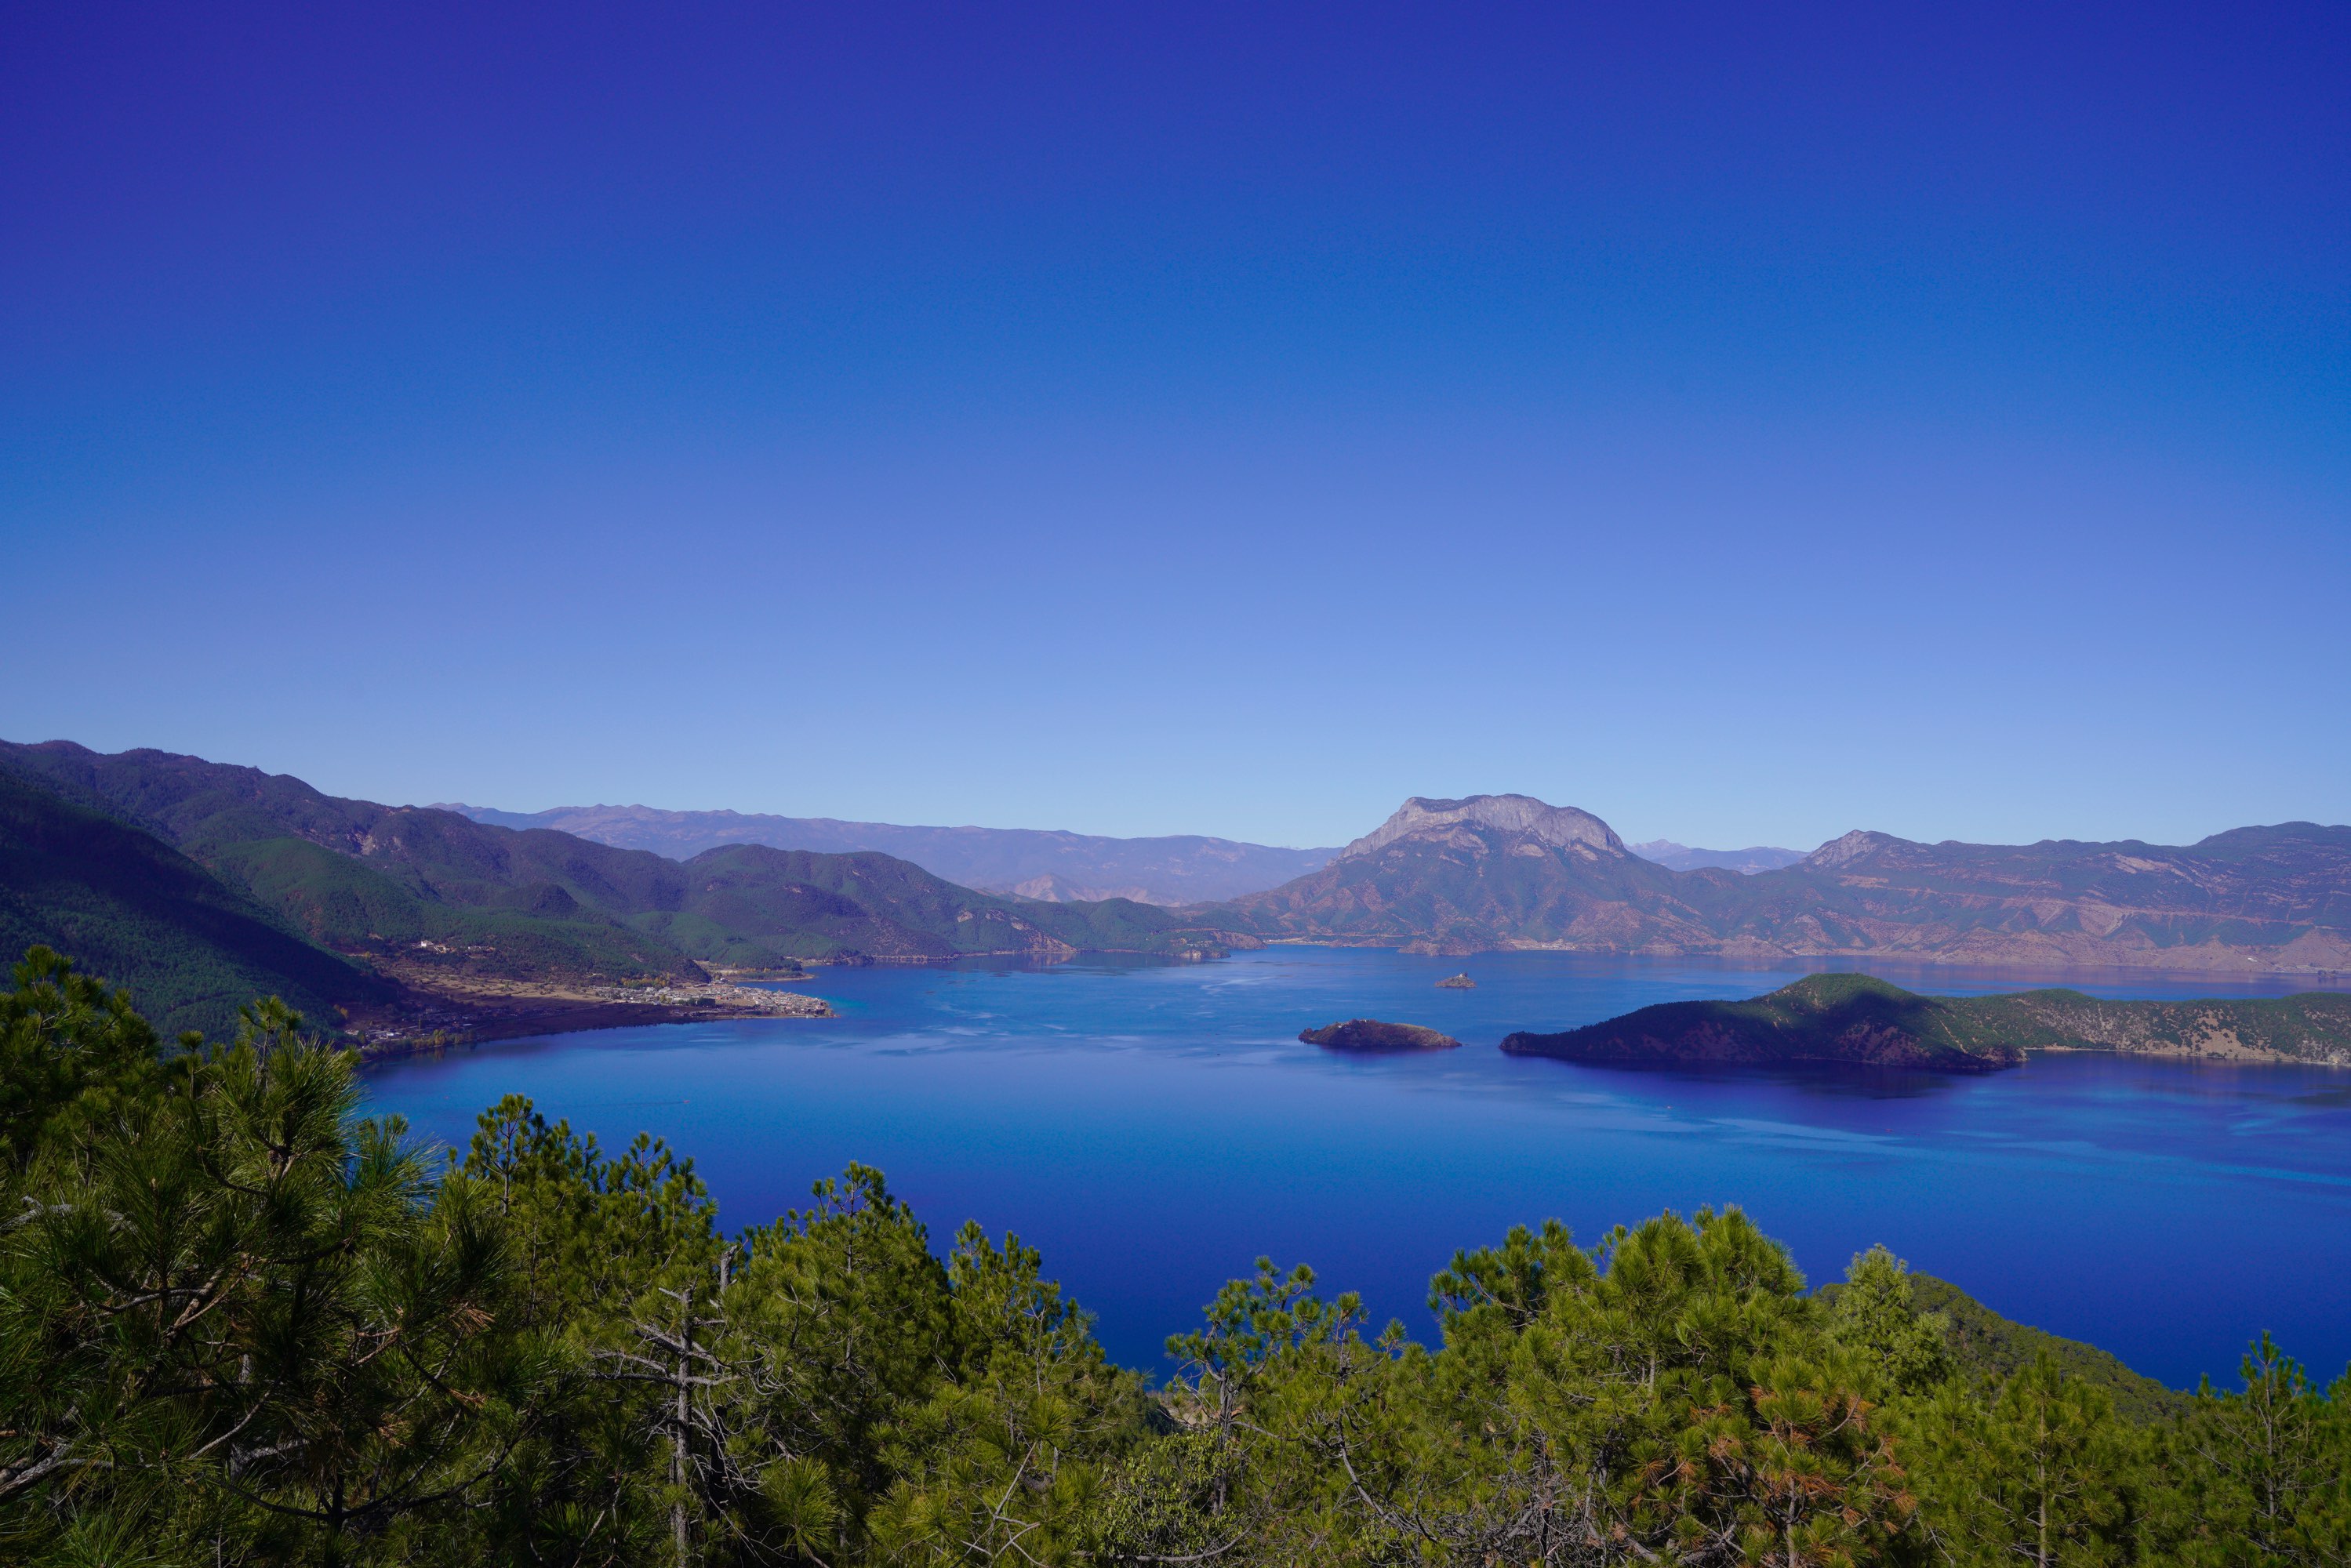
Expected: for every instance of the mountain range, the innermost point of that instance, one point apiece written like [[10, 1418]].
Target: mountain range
[[201, 884], [1051, 866], [1497, 871], [1057, 867], [1681, 857]]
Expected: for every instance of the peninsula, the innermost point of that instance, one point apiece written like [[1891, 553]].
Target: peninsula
[[1860, 1020]]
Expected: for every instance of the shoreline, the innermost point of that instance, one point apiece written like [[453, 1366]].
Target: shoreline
[[442, 1021]]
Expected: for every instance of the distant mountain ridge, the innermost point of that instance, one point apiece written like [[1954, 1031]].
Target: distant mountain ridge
[[1510, 871], [1746, 862], [1050, 865]]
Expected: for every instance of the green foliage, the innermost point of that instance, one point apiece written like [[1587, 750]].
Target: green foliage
[[2313, 1026], [349, 905], [2262, 1478], [241, 1325], [1666, 1395], [131, 908], [69, 1050], [1877, 1317], [234, 1319], [2043, 1471], [1988, 1348], [1834, 1018]]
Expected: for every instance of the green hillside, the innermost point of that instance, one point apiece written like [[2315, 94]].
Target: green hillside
[[538, 901], [2314, 1026], [740, 899], [1994, 1349], [352, 906], [432, 890], [1862, 1020], [1822, 1019], [1976, 1345], [124, 905]]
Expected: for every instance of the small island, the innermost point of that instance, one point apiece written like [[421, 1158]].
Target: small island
[[1456, 983], [1372, 1035], [1858, 1020]]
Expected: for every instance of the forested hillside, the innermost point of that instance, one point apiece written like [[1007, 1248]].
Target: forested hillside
[[239, 1325], [1861, 1020], [358, 895], [189, 949]]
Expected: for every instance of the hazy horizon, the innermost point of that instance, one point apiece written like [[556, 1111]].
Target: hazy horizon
[[1634, 841], [1745, 427]]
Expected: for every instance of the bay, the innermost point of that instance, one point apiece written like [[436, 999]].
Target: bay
[[1154, 1128]]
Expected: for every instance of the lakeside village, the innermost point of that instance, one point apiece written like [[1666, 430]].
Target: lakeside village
[[446, 1009], [723, 989]]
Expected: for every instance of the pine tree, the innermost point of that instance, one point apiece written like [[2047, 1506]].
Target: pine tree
[[2261, 1478], [2042, 1473], [1875, 1317]]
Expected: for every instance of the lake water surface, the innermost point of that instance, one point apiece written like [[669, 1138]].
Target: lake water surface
[[1155, 1128]]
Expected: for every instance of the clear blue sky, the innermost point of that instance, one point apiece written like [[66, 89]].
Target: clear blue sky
[[1745, 422]]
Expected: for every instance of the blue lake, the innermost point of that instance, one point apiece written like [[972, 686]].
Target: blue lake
[[1155, 1128]]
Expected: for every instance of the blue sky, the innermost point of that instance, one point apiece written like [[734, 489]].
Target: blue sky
[[1746, 426]]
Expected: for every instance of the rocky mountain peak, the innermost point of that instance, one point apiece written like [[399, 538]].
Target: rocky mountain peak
[[1560, 827], [1846, 850]]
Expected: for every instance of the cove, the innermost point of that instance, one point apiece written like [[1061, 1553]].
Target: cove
[[1154, 1128]]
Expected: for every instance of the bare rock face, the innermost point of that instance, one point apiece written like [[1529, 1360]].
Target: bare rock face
[[1559, 827], [1856, 845], [1457, 877], [1372, 1035]]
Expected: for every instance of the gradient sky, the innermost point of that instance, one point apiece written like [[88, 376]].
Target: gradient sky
[[1745, 422]]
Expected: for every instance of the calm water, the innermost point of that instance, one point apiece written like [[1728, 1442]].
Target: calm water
[[1156, 1128]]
